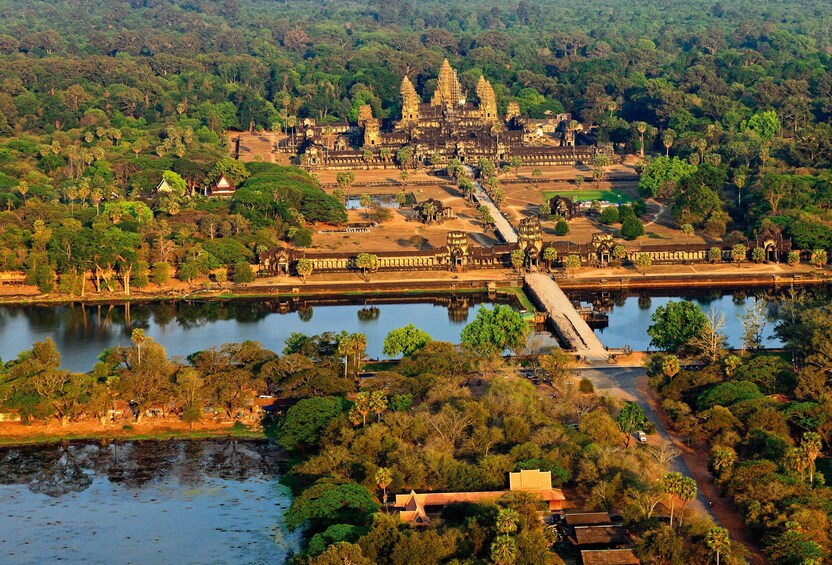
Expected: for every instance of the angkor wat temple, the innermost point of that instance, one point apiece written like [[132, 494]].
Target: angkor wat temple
[[449, 126]]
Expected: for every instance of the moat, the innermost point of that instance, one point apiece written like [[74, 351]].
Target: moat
[[144, 502], [82, 332]]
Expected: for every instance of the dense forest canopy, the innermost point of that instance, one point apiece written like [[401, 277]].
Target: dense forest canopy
[[729, 103]]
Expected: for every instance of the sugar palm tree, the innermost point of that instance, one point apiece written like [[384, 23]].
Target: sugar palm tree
[[383, 479], [138, 338], [718, 541]]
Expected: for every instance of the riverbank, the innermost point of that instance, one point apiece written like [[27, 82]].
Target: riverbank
[[417, 283], [16, 433]]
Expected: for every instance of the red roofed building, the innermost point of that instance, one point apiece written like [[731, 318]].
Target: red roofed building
[[222, 188], [415, 505]]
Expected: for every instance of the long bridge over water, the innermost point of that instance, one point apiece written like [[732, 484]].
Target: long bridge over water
[[569, 324]]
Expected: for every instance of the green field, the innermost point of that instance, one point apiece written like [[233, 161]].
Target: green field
[[576, 195]]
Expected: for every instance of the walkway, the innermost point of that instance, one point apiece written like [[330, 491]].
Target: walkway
[[501, 223], [571, 327]]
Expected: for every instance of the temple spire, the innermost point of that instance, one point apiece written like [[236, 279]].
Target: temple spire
[[448, 90], [410, 101], [487, 99]]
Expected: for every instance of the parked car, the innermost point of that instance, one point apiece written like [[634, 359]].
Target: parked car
[[641, 436]]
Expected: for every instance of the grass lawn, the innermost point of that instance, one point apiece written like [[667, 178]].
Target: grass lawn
[[577, 195]]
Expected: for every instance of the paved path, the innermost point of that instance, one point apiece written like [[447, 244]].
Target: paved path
[[572, 328], [501, 223], [628, 384]]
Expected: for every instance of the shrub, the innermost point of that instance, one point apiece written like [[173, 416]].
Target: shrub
[[609, 215], [243, 272], [758, 255], [586, 386], [632, 228], [793, 258], [561, 228], [687, 229]]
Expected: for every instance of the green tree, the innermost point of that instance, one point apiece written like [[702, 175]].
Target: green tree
[[630, 419], [517, 259], [304, 267], [714, 254], [811, 445], [819, 258], [160, 273], [718, 542], [643, 262], [361, 407], [675, 324], [609, 215], [138, 338], [341, 553], [561, 227], [550, 255], [504, 550], [632, 227], [243, 272], [326, 503], [378, 403], [406, 340], [367, 263], [662, 175], [677, 486], [572, 263], [494, 330], [536, 175], [345, 179], [305, 421], [383, 478], [235, 171], [738, 253]]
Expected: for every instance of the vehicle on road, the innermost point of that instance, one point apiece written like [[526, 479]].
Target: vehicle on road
[[641, 436]]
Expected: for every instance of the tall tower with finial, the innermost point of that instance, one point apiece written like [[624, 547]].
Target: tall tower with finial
[[448, 91], [410, 102], [488, 101]]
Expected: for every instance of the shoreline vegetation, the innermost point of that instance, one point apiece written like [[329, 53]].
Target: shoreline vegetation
[[14, 434], [347, 285]]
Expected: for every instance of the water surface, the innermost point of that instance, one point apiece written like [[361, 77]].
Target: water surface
[[82, 332], [143, 502]]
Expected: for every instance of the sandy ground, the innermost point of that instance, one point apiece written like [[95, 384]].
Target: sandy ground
[[15, 432]]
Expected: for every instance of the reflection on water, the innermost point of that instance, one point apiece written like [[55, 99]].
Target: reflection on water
[[630, 315], [81, 332], [168, 502]]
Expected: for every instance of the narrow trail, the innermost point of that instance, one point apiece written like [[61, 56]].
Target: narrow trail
[[662, 209]]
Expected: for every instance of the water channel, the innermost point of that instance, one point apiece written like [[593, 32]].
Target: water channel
[[144, 502], [82, 332]]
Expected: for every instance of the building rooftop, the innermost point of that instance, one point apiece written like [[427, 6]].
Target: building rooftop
[[609, 557]]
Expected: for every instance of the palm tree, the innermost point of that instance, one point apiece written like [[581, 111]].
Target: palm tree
[[811, 445], [138, 339], [667, 140], [641, 128], [718, 541], [378, 403], [383, 479], [504, 550]]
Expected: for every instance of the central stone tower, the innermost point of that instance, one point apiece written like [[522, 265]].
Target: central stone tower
[[448, 91]]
